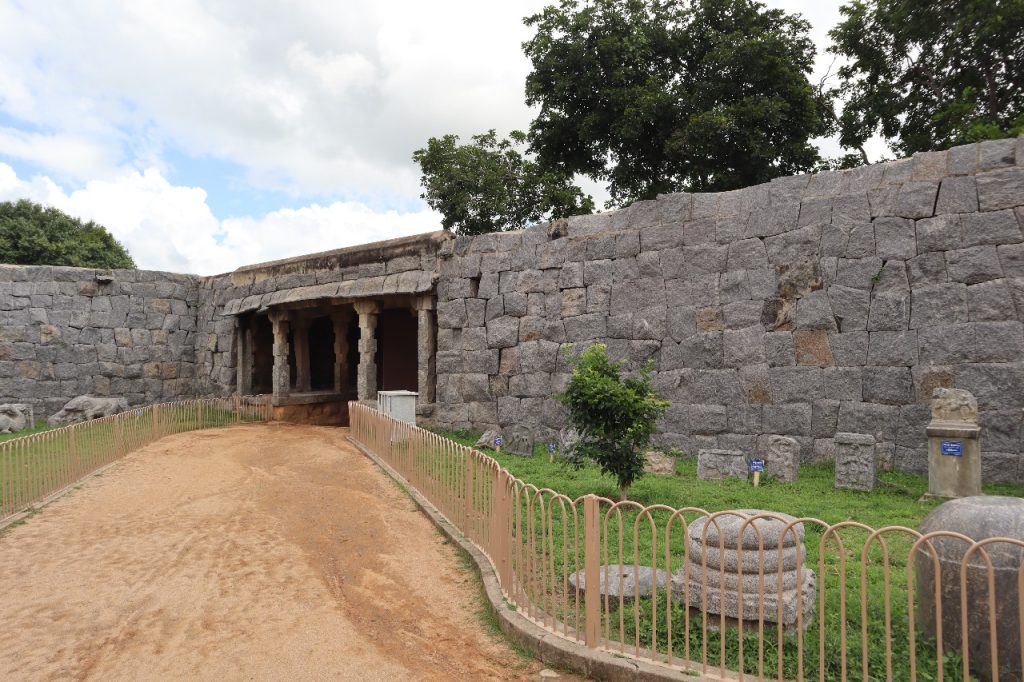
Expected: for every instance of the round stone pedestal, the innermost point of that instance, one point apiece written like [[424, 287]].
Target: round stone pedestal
[[615, 580], [977, 517], [775, 585]]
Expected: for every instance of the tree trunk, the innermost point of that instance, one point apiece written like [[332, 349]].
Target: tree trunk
[[624, 492]]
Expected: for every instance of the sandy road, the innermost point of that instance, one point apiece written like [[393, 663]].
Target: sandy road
[[262, 552]]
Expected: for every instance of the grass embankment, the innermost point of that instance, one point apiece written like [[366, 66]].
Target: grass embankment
[[897, 501]]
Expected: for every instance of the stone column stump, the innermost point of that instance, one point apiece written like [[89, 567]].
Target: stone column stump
[[978, 518], [856, 463], [729, 553]]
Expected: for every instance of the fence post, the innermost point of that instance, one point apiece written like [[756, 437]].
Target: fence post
[[119, 436], [202, 415], [238, 409], [73, 449], [467, 492], [592, 570], [501, 511]]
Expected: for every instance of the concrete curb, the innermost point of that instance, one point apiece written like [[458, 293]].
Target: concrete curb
[[544, 645]]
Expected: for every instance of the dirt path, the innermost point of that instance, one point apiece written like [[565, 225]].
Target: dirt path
[[252, 552]]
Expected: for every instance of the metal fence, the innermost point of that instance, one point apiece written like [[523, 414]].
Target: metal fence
[[36, 467], [729, 595]]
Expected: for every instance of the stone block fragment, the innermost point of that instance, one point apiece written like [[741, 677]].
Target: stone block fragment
[[927, 268], [940, 233], [782, 459], [1003, 188], [973, 265], [963, 160], [812, 348], [946, 344], [993, 227], [894, 238], [957, 195], [888, 385], [995, 154], [855, 461], [938, 304], [881, 421], [892, 348], [916, 199], [889, 310], [503, 332], [814, 311], [794, 418], [843, 383], [849, 306], [990, 301], [779, 349], [743, 347], [715, 465]]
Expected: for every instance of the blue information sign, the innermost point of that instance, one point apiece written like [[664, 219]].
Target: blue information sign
[[497, 441], [756, 465], [551, 448], [953, 448]]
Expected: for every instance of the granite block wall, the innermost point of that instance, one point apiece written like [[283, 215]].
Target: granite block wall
[[805, 306], [69, 331]]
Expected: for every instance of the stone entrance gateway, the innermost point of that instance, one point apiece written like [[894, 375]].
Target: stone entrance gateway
[[326, 343]]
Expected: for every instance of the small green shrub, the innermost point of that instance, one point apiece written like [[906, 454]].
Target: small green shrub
[[614, 416]]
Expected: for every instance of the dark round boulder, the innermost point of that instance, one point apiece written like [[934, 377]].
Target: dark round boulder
[[979, 518]]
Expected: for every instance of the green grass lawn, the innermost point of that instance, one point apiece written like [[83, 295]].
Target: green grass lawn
[[897, 501], [39, 427]]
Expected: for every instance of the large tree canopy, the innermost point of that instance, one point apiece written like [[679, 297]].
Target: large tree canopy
[[662, 95], [489, 185], [31, 234], [929, 75]]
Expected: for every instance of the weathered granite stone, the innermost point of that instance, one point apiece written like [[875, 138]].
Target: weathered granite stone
[[619, 583], [894, 238], [782, 461], [519, 440], [1001, 188], [855, 461], [16, 417], [87, 407], [659, 464], [957, 195], [994, 227], [942, 560], [713, 465], [487, 439], [954, 405], [747, 550]]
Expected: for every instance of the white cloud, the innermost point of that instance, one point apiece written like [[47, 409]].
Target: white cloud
[[311, 97], [168, 227]]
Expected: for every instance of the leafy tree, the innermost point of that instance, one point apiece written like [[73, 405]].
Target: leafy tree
[[663, 95], [929, 75], [615, 417], [31, 234], [490, 186]]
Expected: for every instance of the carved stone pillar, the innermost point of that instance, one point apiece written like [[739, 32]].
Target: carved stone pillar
[[243, 371], [340, 320], [300, 336], [366, 374], [426, 347], [282, 378]]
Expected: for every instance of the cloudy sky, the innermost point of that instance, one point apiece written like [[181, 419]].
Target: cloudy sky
[[211, 134]]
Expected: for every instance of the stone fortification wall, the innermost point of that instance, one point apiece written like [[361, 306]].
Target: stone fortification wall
[[805, 306], [65, 332]]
